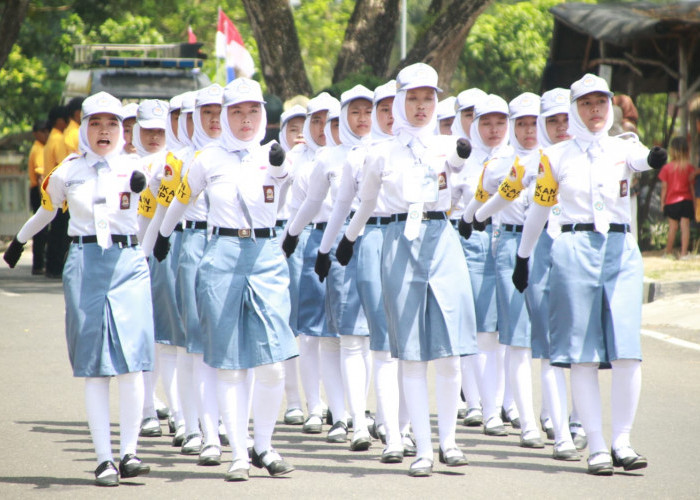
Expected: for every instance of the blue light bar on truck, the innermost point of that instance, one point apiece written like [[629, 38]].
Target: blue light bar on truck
[[140, 62]]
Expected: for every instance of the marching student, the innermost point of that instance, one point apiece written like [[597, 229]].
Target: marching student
[[446, 115], [596, 276], [242, 282], [427, 297], [106, 284]]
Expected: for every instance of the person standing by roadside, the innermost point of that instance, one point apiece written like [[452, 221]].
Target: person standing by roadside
[[677, 194], [35, 167]]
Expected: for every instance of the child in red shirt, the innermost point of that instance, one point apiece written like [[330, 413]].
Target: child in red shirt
[[677, 193]]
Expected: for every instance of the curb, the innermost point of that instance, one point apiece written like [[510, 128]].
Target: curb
[[656, 290]]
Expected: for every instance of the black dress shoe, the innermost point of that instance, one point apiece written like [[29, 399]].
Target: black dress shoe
[[338, 433], [391, 457], [496, 429], [425, 469], [276, 467], [532, 442], [409, 446], [131, 466], [455, 458], [600, 469], [632, 462], [361, 442], [236, 474], [106, 474]]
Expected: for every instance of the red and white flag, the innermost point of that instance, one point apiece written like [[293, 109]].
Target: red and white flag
[[229, 46], [191, 37]]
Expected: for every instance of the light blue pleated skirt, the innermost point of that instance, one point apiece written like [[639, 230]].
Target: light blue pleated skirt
[[109, 317], [344, 313], [295, 263], [427, 293], [311, 313], [194, 241], [243, 302], [595, 298], [513, 320], [537, 296], [167, 322], [369, 286], [482, 275]]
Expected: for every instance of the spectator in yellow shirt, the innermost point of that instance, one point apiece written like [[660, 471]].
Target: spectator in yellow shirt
[[71, 133], [35, 167]]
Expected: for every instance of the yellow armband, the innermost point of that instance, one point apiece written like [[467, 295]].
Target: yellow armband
[[171, 180], [512, 185], [547, 187], [147, 204], [45, 198], [183, 192], [481, 194]]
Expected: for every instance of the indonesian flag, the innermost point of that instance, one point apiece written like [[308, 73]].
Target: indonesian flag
[[229, 46]]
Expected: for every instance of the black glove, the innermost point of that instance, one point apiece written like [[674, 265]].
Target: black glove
[[161, 248], [657, 157], [13, 252], [521, 273], [322, 266], [464, 149], [276, 155], [289, 244], [464, 228], [479, 226], [137, 181], [344, 251]]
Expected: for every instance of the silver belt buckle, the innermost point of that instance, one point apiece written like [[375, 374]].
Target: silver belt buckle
[[425, 216], [244, 233]]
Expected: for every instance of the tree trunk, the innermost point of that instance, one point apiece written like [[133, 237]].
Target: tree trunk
[[443, 40], [369, 38], [278, 45], [13, 15]]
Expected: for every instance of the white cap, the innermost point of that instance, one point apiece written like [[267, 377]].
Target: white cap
[[357, 92], [242, 90], [292, 112], [468, 98], [213, 94], [128, 110], [175, 102], [188, 99], [152, 113], [333, 109], [446, 108], [555, 101], [417, 75], [321, 102], [102, 102], [491, 104], [589, 83], [526, 104], [384, 91]]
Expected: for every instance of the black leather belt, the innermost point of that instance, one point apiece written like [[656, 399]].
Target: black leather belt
[[129, 240], [378, 221], [319, 225], [263, 232], [195, 224], [280, 222], [518, 228], [178, 227], [614, 228], [426, 216]]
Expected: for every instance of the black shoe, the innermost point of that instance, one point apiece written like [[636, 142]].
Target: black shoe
[[207, 458], [409, 446], [601, 469], [423, 470], [313, 425], [39, 272], [53, 276], [277, 465], [338, 436], [473, 418], [632, 462], [106, 474], [150, 427], [533, 442], [461, 413], [361, 441], [294, 416], [163, 413], [494, 430], [236, 474], [578, 435], [568, 455], [329, 417], [391, 457], [455, 459], [547, 427], [131, 466], [172, 428]]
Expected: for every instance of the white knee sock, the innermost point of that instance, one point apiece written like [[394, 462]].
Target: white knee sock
[[404, 417], [415, 385], [491, 378], [507, 400], [232, 392], [586, 393], [186, 390], [131, 390], [332, 377], [470, 387], [149, 383], [167, 367], [267, 399], [354, 371], [205, 383], [520, 375], [310, 373], [97, 406], [291, 383], [555, 397], [447, 384], [626, 387], [386, 387]]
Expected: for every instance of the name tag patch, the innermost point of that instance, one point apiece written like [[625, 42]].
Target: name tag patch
[[624, 188], [125, 200], [269, 192]]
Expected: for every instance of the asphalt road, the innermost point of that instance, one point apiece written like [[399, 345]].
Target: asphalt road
[[48, 452]]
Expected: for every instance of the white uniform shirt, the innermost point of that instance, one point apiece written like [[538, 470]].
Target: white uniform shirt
[[198, 209], [293, 157], [497, 170], [224, 176], [303, 179], [75, 181], [464, 183]]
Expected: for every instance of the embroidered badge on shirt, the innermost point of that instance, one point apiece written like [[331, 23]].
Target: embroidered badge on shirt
[[442, 180], [624, 188], [124, 201], [269, 194]]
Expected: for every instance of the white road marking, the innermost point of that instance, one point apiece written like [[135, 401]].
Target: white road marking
[[671, 340]]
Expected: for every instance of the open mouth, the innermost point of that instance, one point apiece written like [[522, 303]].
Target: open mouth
[[104, 142]]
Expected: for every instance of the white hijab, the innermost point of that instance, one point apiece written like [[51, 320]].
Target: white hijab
[[84, 144], [347, 136], [230, 142], [200, 138], [580, 131], [401, 125]]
